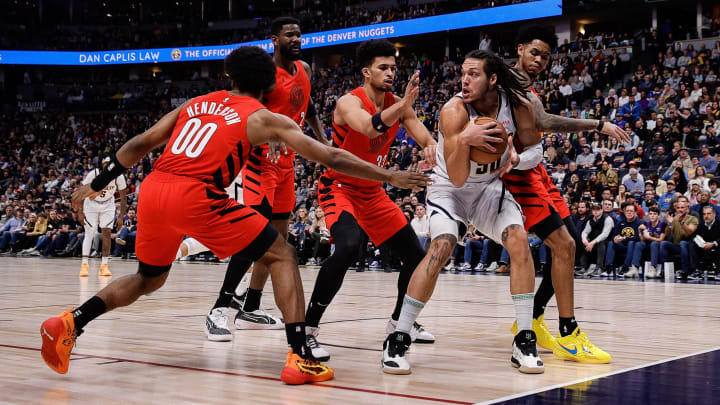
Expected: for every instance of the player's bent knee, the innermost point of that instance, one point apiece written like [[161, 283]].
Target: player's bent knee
[[152, 277]]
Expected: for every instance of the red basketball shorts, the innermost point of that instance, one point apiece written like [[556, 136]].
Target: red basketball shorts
[[172, 206], [538, 198], [376, 214], [263, 179]]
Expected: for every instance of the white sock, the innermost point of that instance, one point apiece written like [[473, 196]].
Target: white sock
[[524, 310], [85, 260], [104, 260], [179, 253], [408, 314]]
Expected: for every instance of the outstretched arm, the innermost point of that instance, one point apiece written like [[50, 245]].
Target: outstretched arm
[[132, 151], [556, 123], [264, 126], [350, 111]]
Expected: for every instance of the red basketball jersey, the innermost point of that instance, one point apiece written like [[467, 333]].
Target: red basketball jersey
[[209, 141], [290, 97], [373, 150]]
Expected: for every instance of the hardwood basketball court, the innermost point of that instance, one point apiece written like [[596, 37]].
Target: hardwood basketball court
[[155, 351]]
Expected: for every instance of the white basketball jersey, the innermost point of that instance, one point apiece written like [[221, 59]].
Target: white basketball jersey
[[478, 173], [108, 193]]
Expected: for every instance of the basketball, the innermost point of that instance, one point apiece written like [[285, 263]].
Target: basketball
[[482, 157]]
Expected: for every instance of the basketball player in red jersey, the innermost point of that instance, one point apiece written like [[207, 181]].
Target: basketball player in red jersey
[[268, 182], [546, 213], [210, 139], [365, 122]]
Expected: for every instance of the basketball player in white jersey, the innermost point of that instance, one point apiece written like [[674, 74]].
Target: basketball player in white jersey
[[464, 192], [100, 211]]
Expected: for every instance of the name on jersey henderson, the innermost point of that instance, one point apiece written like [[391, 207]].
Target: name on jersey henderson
[[213, 108]]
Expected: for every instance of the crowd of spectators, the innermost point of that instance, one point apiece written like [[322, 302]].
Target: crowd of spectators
[[156, 27], [651, 195]]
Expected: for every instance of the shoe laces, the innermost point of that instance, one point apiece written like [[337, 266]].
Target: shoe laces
[[585, 341], [217, 316], [419, 328], [397, 347], [311, 342], [311, 366]]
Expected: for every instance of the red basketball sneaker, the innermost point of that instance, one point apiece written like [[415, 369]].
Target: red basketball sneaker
[[301, 371], [58, 338]]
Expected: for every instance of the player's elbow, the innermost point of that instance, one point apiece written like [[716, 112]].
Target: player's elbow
[[457, 179]]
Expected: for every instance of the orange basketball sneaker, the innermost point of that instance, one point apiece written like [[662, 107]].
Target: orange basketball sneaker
[[58, 338], [301, 371]]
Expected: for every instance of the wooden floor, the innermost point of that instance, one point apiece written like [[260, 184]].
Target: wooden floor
[[155, 351]]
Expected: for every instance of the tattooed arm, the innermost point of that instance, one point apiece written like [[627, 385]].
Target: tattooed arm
[[556, 123]]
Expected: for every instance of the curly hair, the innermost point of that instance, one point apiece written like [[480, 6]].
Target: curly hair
[[369, 50], [251, 69]]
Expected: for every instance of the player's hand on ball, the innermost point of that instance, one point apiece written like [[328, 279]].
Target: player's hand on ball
[[405, 179], [513, 158], [81, 194], [615, 132], [482, 136]]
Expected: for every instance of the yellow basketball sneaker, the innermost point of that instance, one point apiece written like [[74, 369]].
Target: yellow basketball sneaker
[[104, 270], [545, 339], [577, 347], [84, 270]]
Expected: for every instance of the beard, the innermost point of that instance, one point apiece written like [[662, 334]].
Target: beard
[[288, 54]]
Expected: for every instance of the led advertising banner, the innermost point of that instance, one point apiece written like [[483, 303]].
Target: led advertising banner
[[466, 19]]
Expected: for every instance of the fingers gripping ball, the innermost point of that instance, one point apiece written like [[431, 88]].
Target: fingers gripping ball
[[482, 157]]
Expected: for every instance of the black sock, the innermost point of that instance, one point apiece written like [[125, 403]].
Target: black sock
[[567, 326], [252, 300], [88, 311], [235, 271], [544, 292], [295, 333]]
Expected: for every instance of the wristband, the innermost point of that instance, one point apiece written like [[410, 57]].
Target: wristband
[[377, 123], [110, 173], [600, 125]]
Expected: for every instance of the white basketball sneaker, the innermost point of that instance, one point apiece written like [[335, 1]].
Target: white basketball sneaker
[[394, 349], [417, 333], [524, 353], [311, 342], [216, 325], [257, 319]]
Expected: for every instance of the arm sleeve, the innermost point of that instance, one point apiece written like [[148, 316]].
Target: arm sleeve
[[530, 157]]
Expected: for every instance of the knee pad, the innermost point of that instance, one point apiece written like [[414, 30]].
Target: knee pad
[[148, 270]]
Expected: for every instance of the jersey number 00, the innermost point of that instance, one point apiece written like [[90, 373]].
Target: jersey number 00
[[193, 138]]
